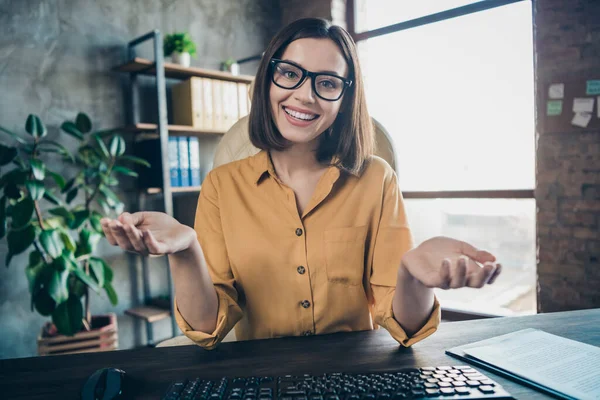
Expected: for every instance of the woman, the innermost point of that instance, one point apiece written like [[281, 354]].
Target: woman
[[310, 235]]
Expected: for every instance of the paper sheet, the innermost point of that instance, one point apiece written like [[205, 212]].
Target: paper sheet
[[581, 119], [565, 365], [583, 105], [556, 91]]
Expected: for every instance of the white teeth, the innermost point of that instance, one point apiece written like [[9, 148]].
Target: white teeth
[[299, 115]]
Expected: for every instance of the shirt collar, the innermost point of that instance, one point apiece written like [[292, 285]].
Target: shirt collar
[[263, 165]]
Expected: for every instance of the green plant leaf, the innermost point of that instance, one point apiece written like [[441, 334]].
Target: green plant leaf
[[111, 196], [79, 218], [44, 304], [13, 135], [112, 295], [36, 189], [135, 160], [85, 278], [98, 270], [96, 224], [55, 147], [60, 181], [117, 146], [102, 146], [38, 168], [72, 130], [68, 185], [21, 213], [68, 316], [78, 288], [124, 171], [83, 123], [68, 241], [57, 286], [7, 154], [87, 242], [15, 176], [71, 195], [32, 271], [51, 243], [12, 191], [108, 273], [3, 224], [110, 180], [35, 127], [19, 241], [52, 198], [62, 212]]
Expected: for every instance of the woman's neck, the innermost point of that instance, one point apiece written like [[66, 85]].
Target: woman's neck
[[294, 161]]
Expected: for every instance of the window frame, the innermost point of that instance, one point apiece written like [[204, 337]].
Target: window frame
[[447, 314]]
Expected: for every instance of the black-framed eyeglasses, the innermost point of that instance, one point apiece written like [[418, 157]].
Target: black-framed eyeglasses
[[288, 75]]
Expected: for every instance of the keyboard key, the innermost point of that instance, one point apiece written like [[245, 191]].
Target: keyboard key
[[473, 383], [432, 392], [487, 382], [462, 390], [486, 389], [447, 390]]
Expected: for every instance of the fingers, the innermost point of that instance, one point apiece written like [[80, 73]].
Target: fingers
[[134, 219], [458, 276], [105, 222], [135, 238], [479, 276], [153, 245], [472, 252], [496, 273]]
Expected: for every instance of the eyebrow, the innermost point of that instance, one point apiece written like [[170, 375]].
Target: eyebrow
[[336, 73]]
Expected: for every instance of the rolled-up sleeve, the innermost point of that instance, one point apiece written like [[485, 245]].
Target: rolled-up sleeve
[[210, 236], [392, 241]]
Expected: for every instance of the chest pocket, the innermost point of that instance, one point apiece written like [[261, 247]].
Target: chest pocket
[[345, 254]]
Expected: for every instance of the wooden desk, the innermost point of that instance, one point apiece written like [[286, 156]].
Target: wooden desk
[[61, 377]]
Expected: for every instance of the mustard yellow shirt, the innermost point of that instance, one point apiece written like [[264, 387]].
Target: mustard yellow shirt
[[278, 273]]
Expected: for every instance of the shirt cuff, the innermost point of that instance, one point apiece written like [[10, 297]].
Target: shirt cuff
[[388, 321], [202, 339]]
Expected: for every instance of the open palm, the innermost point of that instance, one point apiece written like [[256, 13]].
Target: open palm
[[443, 262]]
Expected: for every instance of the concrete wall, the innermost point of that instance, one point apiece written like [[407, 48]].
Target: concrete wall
[[55, 60], [567, 46]]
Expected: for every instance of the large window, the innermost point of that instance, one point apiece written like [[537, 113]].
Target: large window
[[457, 98]]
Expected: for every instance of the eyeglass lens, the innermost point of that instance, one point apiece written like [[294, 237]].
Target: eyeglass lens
[[288, 76]]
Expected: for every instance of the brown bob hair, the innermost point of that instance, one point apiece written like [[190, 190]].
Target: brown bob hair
[[348, 143]]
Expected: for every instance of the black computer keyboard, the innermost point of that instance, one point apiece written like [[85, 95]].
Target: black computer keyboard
[[444, 382]]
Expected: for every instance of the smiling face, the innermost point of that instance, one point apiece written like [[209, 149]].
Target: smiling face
[[300, 115]]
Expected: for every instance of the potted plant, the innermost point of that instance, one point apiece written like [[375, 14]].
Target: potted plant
[[180, 47], [41, 211], [231, 66]]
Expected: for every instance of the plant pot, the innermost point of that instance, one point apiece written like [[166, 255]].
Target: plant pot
[[182, 59], [102, 337]]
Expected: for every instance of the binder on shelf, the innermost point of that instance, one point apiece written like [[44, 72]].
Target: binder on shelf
[[174, 162], [194, 149], [188, 105], [184, 161], [207, 103]]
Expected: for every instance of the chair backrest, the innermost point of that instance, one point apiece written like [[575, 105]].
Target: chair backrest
[[236, 144]]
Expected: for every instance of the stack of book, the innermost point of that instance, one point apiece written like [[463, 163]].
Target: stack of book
[[210, 104], [183, 159]]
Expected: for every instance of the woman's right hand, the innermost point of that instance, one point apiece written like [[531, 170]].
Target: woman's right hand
[[148, 233]]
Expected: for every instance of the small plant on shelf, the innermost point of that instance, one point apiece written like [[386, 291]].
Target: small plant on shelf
[[40, 209], [180, 47]]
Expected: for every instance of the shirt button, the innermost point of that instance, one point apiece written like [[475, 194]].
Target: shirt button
[[298, 232], [305, 303], [301, 270]]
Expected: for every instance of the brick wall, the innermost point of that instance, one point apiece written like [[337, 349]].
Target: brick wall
[[567, 45]]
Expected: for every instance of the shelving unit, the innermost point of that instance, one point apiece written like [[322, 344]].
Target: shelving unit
[[160, 70]]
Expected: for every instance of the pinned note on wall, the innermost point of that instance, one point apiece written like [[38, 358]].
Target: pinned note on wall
[[583, 105], [556, 91], [592, 87], [581, 119]]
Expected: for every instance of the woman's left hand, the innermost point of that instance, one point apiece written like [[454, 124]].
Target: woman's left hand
[[446, 263]]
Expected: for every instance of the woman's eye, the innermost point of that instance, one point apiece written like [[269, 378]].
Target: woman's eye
[[290, 74], [328, 84]]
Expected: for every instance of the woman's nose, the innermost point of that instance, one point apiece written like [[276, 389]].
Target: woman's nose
[[304, 92]]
